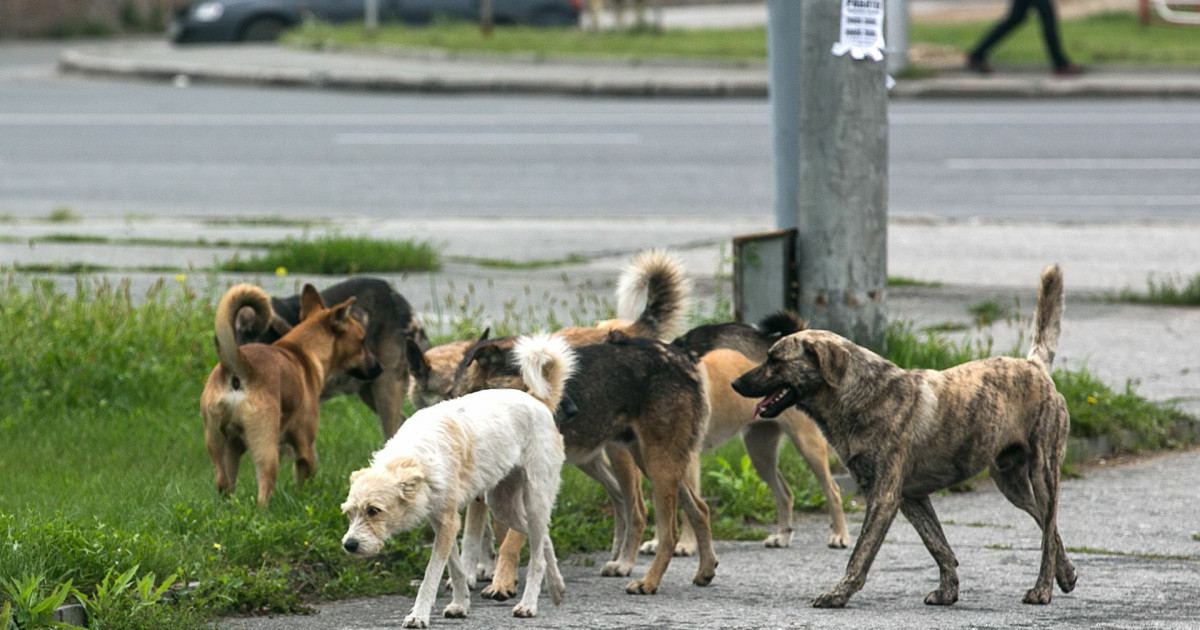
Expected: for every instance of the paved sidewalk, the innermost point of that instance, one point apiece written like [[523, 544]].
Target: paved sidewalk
[[434, 71], [1129, 528]]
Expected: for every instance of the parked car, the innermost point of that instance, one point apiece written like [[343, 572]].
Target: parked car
[[264, 20]]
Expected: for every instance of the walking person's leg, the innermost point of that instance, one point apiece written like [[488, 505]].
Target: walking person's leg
[[977, 58], [1062, 65]]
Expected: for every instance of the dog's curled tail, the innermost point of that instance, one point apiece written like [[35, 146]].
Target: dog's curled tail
[[234, 300], [1047, 322], [781, 324], [546, 362], [657, 277]]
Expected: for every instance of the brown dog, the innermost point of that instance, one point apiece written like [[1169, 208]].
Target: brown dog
[[264, 398], [905, 434]]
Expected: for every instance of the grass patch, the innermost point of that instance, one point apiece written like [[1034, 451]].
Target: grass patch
[[521, 265], [1111, 38], [70, 268], [341, 255], [1096, 40], [904, 281], [1175, 291], [70, 238], [63, 214], [945, 327], [987, 312], [740, 44], [1134, 423], [267, 221], [1092, 551]]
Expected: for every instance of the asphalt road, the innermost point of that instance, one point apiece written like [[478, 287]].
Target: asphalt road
[[114, 149]]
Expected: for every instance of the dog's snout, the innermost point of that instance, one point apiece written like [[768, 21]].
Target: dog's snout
[[739, 386], [350, 545]]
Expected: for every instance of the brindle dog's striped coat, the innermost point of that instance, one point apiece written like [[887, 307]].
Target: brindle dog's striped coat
[[907, 433]]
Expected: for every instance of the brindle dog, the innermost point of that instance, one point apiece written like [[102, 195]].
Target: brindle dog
[[905, 434]]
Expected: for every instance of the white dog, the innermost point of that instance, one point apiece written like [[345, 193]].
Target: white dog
[[501, 444]]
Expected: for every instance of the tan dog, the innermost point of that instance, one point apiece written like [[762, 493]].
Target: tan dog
[[734, 415], [905, 434], [264, 398]]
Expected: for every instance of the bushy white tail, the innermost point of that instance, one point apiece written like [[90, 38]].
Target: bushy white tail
[[656, 279], [546, 362], [1047, 322]]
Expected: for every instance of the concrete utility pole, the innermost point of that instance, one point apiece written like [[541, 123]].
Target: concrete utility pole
[[371, 16], [897, 36], [838, 175]]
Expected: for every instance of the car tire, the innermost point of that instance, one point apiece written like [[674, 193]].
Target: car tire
[[262, 29]]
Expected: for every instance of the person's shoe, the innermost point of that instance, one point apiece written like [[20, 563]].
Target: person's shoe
[[979, 65], [1069, 70]]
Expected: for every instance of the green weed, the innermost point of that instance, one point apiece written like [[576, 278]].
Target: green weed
[[31, 606], [1174, 291], [63, 214], [341, 255]]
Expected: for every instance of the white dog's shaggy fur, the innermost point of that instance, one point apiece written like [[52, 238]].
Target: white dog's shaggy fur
[[502, 444]]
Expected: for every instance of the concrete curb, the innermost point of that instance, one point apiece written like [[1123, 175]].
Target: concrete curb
[[74, 61], [495, 81]]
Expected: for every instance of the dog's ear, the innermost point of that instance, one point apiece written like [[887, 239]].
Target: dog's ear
[[484, 337], [408, 478], [310, 302], [340, 315], [616, 336], [832, 360], [360, 315], [417, 365], [356, 474], [279, 325], [490, 357]]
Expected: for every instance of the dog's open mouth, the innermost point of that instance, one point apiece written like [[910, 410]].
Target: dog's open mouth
[[775, 404]]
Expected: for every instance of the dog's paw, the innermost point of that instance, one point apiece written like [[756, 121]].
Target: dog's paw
[[703, 578], [839, 541], [454, 611], [499, 592], [524, 612], [614, 568], [484, 573], [558, 590], [649, 548], [641, 587], [941, 597], [831, 599], [1066, 578], [1037, 596], [685, 550], [416, 621], [778, 541]]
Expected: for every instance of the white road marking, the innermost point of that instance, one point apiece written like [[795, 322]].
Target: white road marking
[[737, 118], [1100, 200], [486, 139], [1073, 164]]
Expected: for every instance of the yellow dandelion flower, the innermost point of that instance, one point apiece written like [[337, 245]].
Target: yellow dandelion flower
[[180, 278], [1091, 400], [281, 271]]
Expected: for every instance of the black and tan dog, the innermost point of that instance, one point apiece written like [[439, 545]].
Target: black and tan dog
[[727, 351], [905, 434], [264, 398], [388, 321], [631, 393]]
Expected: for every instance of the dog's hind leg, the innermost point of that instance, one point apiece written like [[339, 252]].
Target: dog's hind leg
[[920, 513], [445, 531], [666, 471], [508, 506], [1044, 479], [762, 446], [472, 540], [813, 447], [697, 514], [882, 490], [539, 492], [460, 599], [385, 396], [687, 537], [627, 528], [262, 439], [306, 455]]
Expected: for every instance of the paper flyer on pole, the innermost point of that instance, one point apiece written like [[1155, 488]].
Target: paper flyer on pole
[[862, 30]]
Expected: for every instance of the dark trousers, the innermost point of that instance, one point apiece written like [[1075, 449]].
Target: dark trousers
[[1016, 15]]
